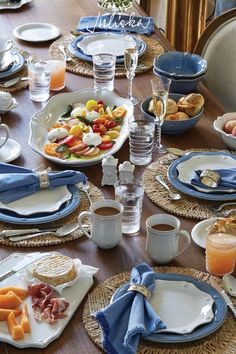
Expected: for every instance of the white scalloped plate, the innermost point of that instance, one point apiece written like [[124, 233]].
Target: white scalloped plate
[[44, 201], [199, 232], [42, 333]]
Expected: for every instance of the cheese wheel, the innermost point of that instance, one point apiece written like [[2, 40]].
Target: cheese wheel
[[55, 270]]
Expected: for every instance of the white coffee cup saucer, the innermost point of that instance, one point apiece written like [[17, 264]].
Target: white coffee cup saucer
[[9, 151]]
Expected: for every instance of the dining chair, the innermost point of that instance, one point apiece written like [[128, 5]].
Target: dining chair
[[217, 46]]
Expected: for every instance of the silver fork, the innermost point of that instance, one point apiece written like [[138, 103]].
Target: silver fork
[[216, 208], [226, 213]]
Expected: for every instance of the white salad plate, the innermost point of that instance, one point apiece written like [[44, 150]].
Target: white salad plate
[[5, 4], [36, 32], [10, 151], [44, 201], [202, 162], [57, 105], [199, 231], [109, 43], [42, 333]]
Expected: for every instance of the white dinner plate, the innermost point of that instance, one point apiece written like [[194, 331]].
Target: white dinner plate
[[7, 5], [36, 32], [109, 43], [9, 151], [202, 162], [199, 232], [42, 333], [44, 201]]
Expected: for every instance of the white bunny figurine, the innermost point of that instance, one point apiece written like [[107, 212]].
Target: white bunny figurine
[[126, 172], [109, 172]]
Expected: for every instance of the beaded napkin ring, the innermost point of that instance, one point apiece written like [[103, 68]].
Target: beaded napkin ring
[[44, 182], [140, 289], [210, 178]]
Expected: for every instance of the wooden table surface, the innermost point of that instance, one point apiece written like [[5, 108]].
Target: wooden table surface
[[65, 14]]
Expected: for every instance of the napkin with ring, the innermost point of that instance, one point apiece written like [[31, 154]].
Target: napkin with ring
[[131, 316], [224, 179], [19, 182]]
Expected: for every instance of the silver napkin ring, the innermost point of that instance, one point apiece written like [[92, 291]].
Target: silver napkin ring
[[140, 289], [210, 178], [44, 181]]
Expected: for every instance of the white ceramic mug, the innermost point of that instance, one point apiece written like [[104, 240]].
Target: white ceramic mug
[[106, 230], [162, 244], [3, 139]]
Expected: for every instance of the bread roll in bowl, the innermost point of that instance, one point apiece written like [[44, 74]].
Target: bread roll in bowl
[[171, 106], [177, 116], [191, 104]]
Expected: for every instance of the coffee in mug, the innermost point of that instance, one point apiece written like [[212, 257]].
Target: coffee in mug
[[106, 223], [163, 234]]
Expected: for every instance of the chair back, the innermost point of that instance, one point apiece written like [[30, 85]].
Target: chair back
[[217, 45]]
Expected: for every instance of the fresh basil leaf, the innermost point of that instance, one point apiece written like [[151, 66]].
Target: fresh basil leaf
[[68, 112]]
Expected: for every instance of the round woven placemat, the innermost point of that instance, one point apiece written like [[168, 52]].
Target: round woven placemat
[[187, 206], [81, 67], [51, 239], [220, 342]]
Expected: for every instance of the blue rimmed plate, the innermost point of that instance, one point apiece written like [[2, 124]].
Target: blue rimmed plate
[[18, 62], [95, 37], [223, 162], [42, 218], [219, 310]]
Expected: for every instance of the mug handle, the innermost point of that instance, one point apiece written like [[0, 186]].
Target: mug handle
[[80, 217], [186, 235], [7, 130]]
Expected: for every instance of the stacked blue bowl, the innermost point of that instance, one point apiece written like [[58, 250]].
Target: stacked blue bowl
[[183, 68]]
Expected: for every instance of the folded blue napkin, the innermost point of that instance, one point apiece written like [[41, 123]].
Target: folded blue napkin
[[227, 179], [116, 23], [18, 182], [131, 316]]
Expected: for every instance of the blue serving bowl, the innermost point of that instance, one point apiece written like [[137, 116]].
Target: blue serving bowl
[[170, 126], [180, 65], [181, 85]]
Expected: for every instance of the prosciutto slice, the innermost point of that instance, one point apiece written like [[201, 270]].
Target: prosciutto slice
[[46, 306]]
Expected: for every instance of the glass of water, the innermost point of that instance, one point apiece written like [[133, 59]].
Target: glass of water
[[39, 80], [104, 71], [130, 195], [160, 90], [141, 137]]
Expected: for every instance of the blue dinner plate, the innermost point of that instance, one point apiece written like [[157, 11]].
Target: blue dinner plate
[[17, 65], [78, 52], [188, 189], [42, 218], [219, 309]]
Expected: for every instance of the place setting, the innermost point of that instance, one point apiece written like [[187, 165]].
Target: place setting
[[12, 4]]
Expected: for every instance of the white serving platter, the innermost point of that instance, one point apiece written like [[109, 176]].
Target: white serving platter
[[42, 333], [36, 32]]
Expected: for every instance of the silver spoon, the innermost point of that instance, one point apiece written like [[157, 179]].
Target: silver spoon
[[85, 188], [216, 207], [62, 231], [13, 82], [62, 49], [171, 195], [229, 284]]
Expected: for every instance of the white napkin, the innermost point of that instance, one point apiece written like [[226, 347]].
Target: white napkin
[[6, 100]]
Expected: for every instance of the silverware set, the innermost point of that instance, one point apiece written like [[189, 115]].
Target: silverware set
[[12, 82]]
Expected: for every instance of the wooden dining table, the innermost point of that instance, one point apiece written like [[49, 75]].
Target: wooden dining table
[[131, 251]]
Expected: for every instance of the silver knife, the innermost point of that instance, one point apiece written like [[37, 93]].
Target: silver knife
[[24, 263], [18, 232], [225, 296], [180, 152]]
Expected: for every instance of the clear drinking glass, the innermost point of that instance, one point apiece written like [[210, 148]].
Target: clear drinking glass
[[131, 61], [104, 71], [39, 80], [160, 90]]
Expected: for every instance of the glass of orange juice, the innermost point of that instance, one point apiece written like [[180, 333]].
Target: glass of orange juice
[[57, 66], [220, 253]]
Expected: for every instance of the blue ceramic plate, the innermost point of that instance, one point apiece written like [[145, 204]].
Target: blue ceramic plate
[[219, 309], [17, 65], [42, 218], [73, 48], [188, 189]]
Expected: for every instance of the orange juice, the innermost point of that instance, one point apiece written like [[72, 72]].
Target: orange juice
[[220, 253], [57, 68]]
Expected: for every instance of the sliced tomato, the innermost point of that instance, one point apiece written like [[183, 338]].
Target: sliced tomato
[[50, 149], [110, 124], [105, 146], [119, 112], [99, 121], [100, 102]]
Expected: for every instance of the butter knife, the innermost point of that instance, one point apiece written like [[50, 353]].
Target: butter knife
[[18, 232], [180, 152], [219, 288], [24, 263]]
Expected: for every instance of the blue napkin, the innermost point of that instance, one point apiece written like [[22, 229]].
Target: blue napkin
[[131, 316], [116, 23], [18, 182], [227, 179]]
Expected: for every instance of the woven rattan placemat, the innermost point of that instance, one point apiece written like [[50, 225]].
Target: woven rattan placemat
[[220, 342], [188, 206], [83, 68], [51, 239]]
